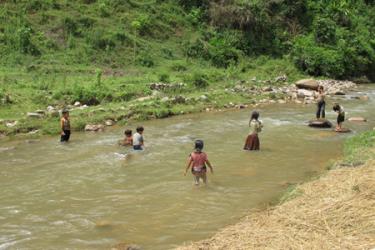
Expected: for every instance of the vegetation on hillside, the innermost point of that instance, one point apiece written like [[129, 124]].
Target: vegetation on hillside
[[56, 52]]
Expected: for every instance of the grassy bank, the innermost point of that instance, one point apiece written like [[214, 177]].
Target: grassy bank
[[106, 53], [121, 98], [335, 211]]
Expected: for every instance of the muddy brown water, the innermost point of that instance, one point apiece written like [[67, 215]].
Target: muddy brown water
[[87, 195]]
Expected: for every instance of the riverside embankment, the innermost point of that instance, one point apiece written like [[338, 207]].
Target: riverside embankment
[[335, 211]]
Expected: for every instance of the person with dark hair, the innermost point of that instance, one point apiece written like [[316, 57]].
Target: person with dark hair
[[252, 140], [65, 126], [138, 142], [128, 140], [197, 162], [340, 116], [321, 103]]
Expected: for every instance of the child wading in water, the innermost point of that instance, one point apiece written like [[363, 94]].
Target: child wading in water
[[128, 140], [138, 139], [252, 140], [197, 163], [65, 126], [340, 116], [321, 104]]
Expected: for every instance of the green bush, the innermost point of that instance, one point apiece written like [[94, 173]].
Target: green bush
[[164, 77], [101, 41], [145, 60], [199, 80], [325, 31], [317, 60]]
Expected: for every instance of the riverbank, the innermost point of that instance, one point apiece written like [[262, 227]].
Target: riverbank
[[158, 100], [335, 211]]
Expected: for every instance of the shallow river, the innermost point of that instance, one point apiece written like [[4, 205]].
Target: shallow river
[[86, 195]]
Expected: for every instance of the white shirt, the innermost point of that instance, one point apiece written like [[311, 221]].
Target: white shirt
[[137, 139]]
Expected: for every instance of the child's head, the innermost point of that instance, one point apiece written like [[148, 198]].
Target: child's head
[[320, 88], [65, 113], [336, 107], [128, 133], [140, 129], [254, 115], [198, 145]]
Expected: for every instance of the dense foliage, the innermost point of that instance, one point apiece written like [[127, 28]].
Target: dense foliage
[[333, 38]]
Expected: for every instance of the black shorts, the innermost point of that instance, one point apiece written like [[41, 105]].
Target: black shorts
[[340, 118], [66, 136], [137, 147]]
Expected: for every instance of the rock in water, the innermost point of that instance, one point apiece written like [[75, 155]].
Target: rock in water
[[307, 84], [109, 122], [357, 119], [320, 124], [95, 128]]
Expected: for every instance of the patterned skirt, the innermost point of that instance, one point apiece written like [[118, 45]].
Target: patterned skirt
[[252, 142]]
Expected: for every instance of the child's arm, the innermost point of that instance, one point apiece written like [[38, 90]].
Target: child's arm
[[188, 165], [210, 166]]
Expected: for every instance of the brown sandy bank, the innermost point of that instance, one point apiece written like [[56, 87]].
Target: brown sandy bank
[[336, 211]]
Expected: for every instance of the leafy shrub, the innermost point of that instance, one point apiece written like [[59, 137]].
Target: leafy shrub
[[179, 67], [196, 49], [325, 31], [99, 40], [189, 4], [199, 80], [70, 26], [103, 10], [223, 56], [143, 24], [164, 77], [144, 59], [24, 43], [317, 60]]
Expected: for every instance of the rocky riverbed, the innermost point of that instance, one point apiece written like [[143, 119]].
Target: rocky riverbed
[[253, 92]]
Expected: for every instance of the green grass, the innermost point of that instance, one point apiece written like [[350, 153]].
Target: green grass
[[359, 148]]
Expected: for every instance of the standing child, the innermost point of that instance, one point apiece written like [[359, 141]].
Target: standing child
[[252, 140], [340, 116], [128, 140], [197, 162], [321, 103], [138, 139], [65, 126]]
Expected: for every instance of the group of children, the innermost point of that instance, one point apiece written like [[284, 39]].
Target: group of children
[[198, 160], [136, 141], [320, 113]]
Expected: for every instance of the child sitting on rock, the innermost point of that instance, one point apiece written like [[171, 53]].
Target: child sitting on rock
[[340, 116], [197, 162]]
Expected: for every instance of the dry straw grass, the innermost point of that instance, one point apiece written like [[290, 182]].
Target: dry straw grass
[[336, 211]]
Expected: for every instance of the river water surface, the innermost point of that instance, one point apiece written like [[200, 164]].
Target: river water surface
[[86, 195]]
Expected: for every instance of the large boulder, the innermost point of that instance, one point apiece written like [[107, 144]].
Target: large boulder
[[302, 93], [322, 123], [109, 122], [94, 128], [357, 119], [310, 84]]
